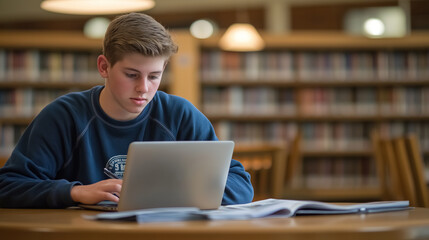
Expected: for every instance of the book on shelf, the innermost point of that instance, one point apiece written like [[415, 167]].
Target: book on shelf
[[268, 208]]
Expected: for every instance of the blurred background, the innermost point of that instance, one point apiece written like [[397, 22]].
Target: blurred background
[[317, 103]]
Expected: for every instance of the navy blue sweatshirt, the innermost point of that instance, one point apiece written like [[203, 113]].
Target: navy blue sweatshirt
[[71, 140]]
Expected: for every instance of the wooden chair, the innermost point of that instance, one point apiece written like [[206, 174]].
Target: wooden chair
[[380, 163], [266, 165], [417, 170], [404, 170], [387, 169], [294, 160], [401, 169]]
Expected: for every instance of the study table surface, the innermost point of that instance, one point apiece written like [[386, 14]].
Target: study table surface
[[66, 224]]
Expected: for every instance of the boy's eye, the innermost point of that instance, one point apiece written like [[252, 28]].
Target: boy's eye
[[131, 75], [154, 77]]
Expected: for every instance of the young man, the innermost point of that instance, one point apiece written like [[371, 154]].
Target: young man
[[59, 160]]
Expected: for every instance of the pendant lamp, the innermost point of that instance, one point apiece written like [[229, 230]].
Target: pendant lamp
[[241, 37], [96, 7]]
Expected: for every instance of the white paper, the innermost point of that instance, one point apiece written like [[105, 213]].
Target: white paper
[[258, 209]]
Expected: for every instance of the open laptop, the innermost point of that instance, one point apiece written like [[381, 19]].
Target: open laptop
[[173, 174]]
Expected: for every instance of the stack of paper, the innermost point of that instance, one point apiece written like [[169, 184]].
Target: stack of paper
[[259, 209]]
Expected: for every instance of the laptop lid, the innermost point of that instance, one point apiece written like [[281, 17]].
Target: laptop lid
[[175, 174]]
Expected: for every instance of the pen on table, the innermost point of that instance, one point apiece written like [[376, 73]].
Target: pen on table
[[110, 174]]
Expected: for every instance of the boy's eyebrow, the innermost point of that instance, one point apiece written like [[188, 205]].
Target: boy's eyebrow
[[133, 69]]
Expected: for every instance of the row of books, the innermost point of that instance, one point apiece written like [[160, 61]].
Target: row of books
[[237, 100], [308, 65], [26, 102], [316, 136], [9, 136], [48, 66], [397, 128], [331, 173], [336, 136], [365, 101], [330, 136], [255, 133], [345, 101], [357, 136], [260, 101]]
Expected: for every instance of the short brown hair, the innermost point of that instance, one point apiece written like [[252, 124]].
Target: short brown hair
[[137, 33]]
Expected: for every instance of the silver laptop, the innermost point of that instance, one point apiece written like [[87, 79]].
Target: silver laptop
[[174, 174]]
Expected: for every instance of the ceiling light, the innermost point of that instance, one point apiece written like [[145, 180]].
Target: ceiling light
[[203, 28], [241, 37], [374, 27], [377, 22], [96, 27], [96, 7]]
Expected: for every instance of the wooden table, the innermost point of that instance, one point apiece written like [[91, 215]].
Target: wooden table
[[68, 224]]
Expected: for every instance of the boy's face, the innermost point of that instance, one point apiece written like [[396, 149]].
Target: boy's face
[[130, 84]]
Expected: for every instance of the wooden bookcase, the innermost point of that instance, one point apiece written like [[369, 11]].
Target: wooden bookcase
[[334, 89], [36, 67]]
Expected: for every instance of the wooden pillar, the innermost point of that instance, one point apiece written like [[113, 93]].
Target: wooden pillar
[[185, 68]]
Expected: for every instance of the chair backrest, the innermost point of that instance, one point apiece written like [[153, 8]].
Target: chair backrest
[[266, 165], [387, 168], [380, 151], [294, 160], [405, 175], [394, 180], [401, 169], [417, 169]]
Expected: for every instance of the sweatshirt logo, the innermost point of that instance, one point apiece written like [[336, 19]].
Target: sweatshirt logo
[[116, 165]]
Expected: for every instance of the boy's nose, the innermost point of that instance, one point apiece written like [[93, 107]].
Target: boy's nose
[[142, 85]]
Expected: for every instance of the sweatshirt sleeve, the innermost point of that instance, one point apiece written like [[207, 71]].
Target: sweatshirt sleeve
[[238, 187], [28, 179]]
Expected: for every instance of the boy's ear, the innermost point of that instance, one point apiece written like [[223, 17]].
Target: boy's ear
[[103, 66]]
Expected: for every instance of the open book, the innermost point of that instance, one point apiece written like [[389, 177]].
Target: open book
[[257, 209]]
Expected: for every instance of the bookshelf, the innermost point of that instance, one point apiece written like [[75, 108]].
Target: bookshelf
[[35, 68], [38, 66], [333, 88]]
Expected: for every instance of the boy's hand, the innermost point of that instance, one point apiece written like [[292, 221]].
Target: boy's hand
[[100, 191]]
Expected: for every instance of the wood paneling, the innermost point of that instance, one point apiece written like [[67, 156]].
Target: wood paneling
[[327, 16]]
